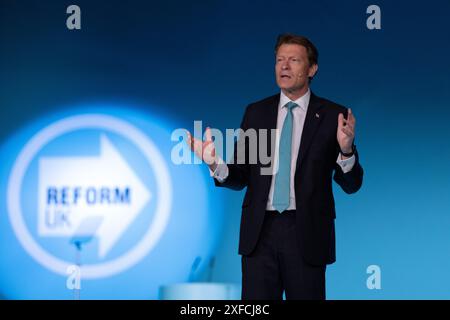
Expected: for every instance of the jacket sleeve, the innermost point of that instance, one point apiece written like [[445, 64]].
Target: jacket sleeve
[[351, 181], [239, 170]]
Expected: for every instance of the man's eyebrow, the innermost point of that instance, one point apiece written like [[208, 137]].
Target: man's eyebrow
[[290, 57]]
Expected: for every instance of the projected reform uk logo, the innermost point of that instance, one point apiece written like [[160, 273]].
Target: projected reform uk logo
[[88, 196]]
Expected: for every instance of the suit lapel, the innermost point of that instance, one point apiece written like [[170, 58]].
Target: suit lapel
[[270, 122], [314, 117], [272, 112], [271, 117]]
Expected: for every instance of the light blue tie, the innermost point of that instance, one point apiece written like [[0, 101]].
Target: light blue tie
[[281, 194]]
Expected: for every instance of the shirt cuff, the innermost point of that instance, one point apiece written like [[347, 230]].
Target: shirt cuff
[[347, 164], [221, 172]]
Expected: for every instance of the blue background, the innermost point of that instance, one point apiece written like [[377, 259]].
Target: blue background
[[206, 60]]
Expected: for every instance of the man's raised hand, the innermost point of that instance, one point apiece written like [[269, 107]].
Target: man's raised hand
[[205, 150], [346, 131]]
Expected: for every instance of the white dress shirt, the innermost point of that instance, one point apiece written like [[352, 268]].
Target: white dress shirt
[[299, 115]]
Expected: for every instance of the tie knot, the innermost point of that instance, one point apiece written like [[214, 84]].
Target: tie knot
[[291, 105]]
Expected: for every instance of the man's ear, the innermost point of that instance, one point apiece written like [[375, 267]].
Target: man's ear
[[313, 70]]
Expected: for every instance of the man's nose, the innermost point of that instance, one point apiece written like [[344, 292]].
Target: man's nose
[[285, 66]]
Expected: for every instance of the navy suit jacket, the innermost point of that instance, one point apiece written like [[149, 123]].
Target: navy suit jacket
[[315, 169]]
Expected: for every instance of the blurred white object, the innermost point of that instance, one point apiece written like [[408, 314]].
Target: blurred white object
[[200, 291]]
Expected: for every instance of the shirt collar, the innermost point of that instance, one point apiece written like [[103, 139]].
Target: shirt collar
[[302, 102]]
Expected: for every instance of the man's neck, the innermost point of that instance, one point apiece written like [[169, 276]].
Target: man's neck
[[294, 95]]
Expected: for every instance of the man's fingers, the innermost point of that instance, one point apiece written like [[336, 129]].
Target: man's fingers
[[192, 142], [205, 150], [209, 152], [195, 144], [208, 135], [189, 140], [350, 125], [351, 117], [341, 120], [347, 131], [349, 122]]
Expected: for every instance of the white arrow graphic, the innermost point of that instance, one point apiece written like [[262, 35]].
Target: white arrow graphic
[[77, 189]]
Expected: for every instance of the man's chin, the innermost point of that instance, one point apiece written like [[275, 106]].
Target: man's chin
[[290, 89], [286, 88]]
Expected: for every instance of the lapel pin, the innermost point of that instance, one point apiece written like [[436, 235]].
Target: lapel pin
[[317, 116]]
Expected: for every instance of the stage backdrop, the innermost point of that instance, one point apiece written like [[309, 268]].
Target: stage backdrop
[[87, 132]]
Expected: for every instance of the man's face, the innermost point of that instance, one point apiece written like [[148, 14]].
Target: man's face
[[292, 68]]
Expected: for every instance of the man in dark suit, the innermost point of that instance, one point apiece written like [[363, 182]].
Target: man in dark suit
[[287, 234]]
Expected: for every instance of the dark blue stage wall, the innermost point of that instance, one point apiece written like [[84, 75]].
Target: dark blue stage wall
[[160, 65]]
